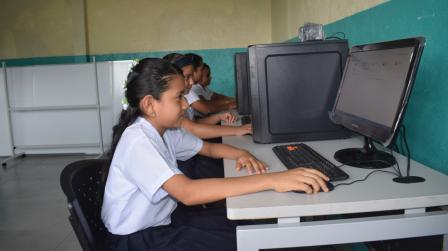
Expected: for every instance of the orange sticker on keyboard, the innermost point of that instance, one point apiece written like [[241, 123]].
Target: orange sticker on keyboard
[[292, 148]]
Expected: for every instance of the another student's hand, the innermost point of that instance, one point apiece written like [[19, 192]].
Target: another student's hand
[[252, 164], [300, 179], [243, 130], [228, 117]]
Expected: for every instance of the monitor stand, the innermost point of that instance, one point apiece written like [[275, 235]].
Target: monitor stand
[[366, 157]]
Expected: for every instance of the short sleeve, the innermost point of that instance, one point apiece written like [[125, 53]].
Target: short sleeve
[[191, 97], [197, 89], [147, 169], [186, 145], [208, 93]]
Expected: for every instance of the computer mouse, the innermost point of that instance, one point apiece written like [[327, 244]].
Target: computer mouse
[[329, 185]]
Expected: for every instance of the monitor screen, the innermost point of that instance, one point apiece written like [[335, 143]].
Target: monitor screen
[[373, 94], [375, 87]]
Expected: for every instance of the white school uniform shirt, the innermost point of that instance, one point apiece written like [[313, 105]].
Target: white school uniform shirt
[[191, 97], [202, 91], [143, 161]]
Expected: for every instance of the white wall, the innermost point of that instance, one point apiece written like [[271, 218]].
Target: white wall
[[42, 98]]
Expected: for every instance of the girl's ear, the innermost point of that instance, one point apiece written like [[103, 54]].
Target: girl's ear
[[147, 105]]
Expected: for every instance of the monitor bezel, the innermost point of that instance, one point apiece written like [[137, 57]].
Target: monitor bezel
[[368, 128], [242, 90]]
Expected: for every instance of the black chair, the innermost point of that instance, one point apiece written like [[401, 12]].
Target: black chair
[[81, 183]]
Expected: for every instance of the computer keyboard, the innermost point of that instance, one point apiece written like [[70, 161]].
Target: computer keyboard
[[301, 155]]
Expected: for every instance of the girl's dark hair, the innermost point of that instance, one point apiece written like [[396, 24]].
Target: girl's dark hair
[[179, 60], [172, 57], [206, 66], [196, 59], [150, 76]]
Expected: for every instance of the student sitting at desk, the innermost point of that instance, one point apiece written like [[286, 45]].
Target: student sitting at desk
[[201, 166], [207, 96], [144, 185], [206, 128], [204, 107]]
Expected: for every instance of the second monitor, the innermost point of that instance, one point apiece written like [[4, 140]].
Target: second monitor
[[293, 87], [242, 83]]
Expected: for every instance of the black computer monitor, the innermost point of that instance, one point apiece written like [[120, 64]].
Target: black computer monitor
[[293, 87], [242, 83], [372, 97]]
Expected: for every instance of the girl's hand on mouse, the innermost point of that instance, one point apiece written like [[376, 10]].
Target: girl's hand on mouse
[[300, 179], [243, 130], [252, 164]]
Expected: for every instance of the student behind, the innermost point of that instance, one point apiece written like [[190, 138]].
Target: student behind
[[207, 96], [143, 182], [206, 127], [204, 107]]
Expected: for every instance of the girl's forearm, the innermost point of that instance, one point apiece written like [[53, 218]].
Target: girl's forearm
[[218, 189]]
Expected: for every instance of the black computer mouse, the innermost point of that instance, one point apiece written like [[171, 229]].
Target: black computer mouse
[[329, 185]]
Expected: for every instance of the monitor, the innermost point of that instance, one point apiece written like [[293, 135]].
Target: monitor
[[293, 87], [372, 97], [242, 83]]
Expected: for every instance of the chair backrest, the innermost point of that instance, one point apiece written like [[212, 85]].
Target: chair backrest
[[81, 183]]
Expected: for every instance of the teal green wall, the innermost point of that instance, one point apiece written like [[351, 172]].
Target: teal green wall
[[220, 61], [426, 119]]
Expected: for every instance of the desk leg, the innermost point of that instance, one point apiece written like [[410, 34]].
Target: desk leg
[[302, 234], [445, 242]]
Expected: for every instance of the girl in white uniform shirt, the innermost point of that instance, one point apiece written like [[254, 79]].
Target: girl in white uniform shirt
[[144, 184], [205, 128], [208, 96], [203, 107]]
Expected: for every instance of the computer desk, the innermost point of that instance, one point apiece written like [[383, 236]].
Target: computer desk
[[377, 193]]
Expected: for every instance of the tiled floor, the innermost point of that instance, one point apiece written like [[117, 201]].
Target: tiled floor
[[33, 209]]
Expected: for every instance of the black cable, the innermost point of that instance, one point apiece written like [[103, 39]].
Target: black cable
[[334, 35], [338, 38], [376, 160], [365, 178], [361, 162], [396, 164], [408, 168]]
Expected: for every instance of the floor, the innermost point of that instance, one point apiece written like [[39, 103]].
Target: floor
[[33, 208]]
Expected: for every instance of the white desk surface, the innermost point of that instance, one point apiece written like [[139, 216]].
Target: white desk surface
[[377, 193]]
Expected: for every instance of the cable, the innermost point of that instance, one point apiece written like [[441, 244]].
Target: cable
[[398, 172], [408, 155], [329, 38], [396, 164], [334, 35], [365, 178], [366, 161]]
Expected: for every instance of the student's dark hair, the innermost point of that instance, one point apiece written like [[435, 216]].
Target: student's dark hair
[[196, 59], [172, 57], [150, 76], [206, 67], [179, 60]]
